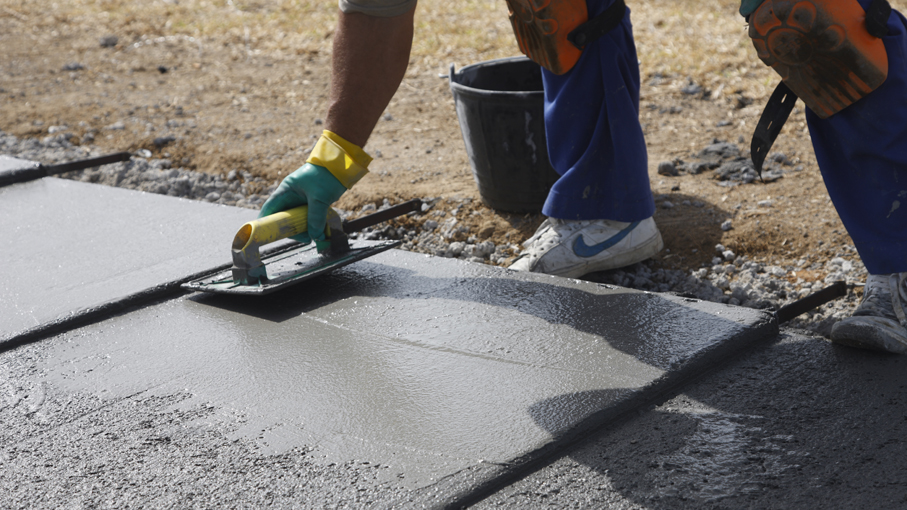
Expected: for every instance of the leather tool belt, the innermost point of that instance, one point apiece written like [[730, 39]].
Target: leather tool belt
[[553, 33], [829, 53]]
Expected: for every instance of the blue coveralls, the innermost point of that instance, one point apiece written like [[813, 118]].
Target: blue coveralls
[[862, 153], [595, 141]]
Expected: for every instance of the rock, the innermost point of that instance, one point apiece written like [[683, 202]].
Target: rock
[[726, 225], [484, 249], [73, 66], [161, 141], [456, 248], [109, 41], [667, 168], [692, 88]]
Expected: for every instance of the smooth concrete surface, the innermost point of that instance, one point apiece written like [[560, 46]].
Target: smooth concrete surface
[[413, 377], [801, 423], [71, 246], [9, 164]]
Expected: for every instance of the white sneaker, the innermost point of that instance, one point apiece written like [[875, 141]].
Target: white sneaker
[[880, 322], [574, 248]]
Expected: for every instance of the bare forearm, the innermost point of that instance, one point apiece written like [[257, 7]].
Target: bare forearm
[[370, 58]]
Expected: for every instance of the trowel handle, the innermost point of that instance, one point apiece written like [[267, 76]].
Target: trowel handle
[[269, 229]]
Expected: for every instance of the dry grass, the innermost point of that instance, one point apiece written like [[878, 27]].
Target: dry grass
[[702, 40]]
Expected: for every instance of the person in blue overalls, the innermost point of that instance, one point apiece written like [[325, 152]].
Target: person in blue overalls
[[858, 123], [600, 210]]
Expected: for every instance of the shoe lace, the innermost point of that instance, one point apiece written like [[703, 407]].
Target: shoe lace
[[885, 295], [562, 228]]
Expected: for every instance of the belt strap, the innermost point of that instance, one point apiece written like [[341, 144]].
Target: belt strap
[[600, 25], [770, 123]]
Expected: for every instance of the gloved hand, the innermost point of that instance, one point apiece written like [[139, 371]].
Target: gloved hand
[[310, 184], [333, 167]]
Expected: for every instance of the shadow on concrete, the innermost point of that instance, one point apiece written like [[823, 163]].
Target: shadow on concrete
[[660, 330], [800, 424]]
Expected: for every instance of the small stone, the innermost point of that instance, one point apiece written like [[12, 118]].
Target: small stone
[[667, 168], [692, 89], [116, 126], [163, 140], [667, 204], [484, 248], [73, 66], [212, 197], [726, 225], [456, 248], [430, 225], [109, 41]]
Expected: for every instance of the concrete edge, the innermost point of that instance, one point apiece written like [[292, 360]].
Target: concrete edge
[[94, 314], [465, 489], [97, 313]]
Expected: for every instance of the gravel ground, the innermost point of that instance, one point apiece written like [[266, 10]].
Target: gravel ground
[[728, 279]]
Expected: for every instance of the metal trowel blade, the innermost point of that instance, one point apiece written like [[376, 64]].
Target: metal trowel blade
[[289, 267]]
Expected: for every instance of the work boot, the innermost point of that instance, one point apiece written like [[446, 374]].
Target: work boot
[[880, 322], [574, 248]]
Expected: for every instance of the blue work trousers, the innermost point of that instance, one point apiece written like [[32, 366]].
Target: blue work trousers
[[862, 154], [595, 141]]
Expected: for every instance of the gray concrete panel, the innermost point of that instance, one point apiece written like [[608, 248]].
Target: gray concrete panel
[[433, 369], [9, 164], [71, 246], [801, 423]]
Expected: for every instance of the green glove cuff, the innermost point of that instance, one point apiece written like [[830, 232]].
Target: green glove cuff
[[748, 7]]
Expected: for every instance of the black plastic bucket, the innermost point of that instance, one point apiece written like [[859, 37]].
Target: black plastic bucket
[[500, 105]]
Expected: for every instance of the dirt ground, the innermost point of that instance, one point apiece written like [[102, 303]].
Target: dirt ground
[[244, 86]]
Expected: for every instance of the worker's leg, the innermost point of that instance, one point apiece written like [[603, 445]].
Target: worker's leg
[[595, 140], [600, 210], [862, 153]]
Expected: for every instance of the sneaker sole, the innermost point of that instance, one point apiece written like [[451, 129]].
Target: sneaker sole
[[865, 333], [642, 252]]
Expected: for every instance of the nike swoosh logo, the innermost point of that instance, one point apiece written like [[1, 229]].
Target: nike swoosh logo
[[581, 249]]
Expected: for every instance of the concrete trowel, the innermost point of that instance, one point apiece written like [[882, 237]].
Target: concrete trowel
[[254, 274]]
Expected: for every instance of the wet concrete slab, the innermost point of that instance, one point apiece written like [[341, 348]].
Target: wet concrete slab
[[799, 423], [9, 164], [432, 376], [72, 247]]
